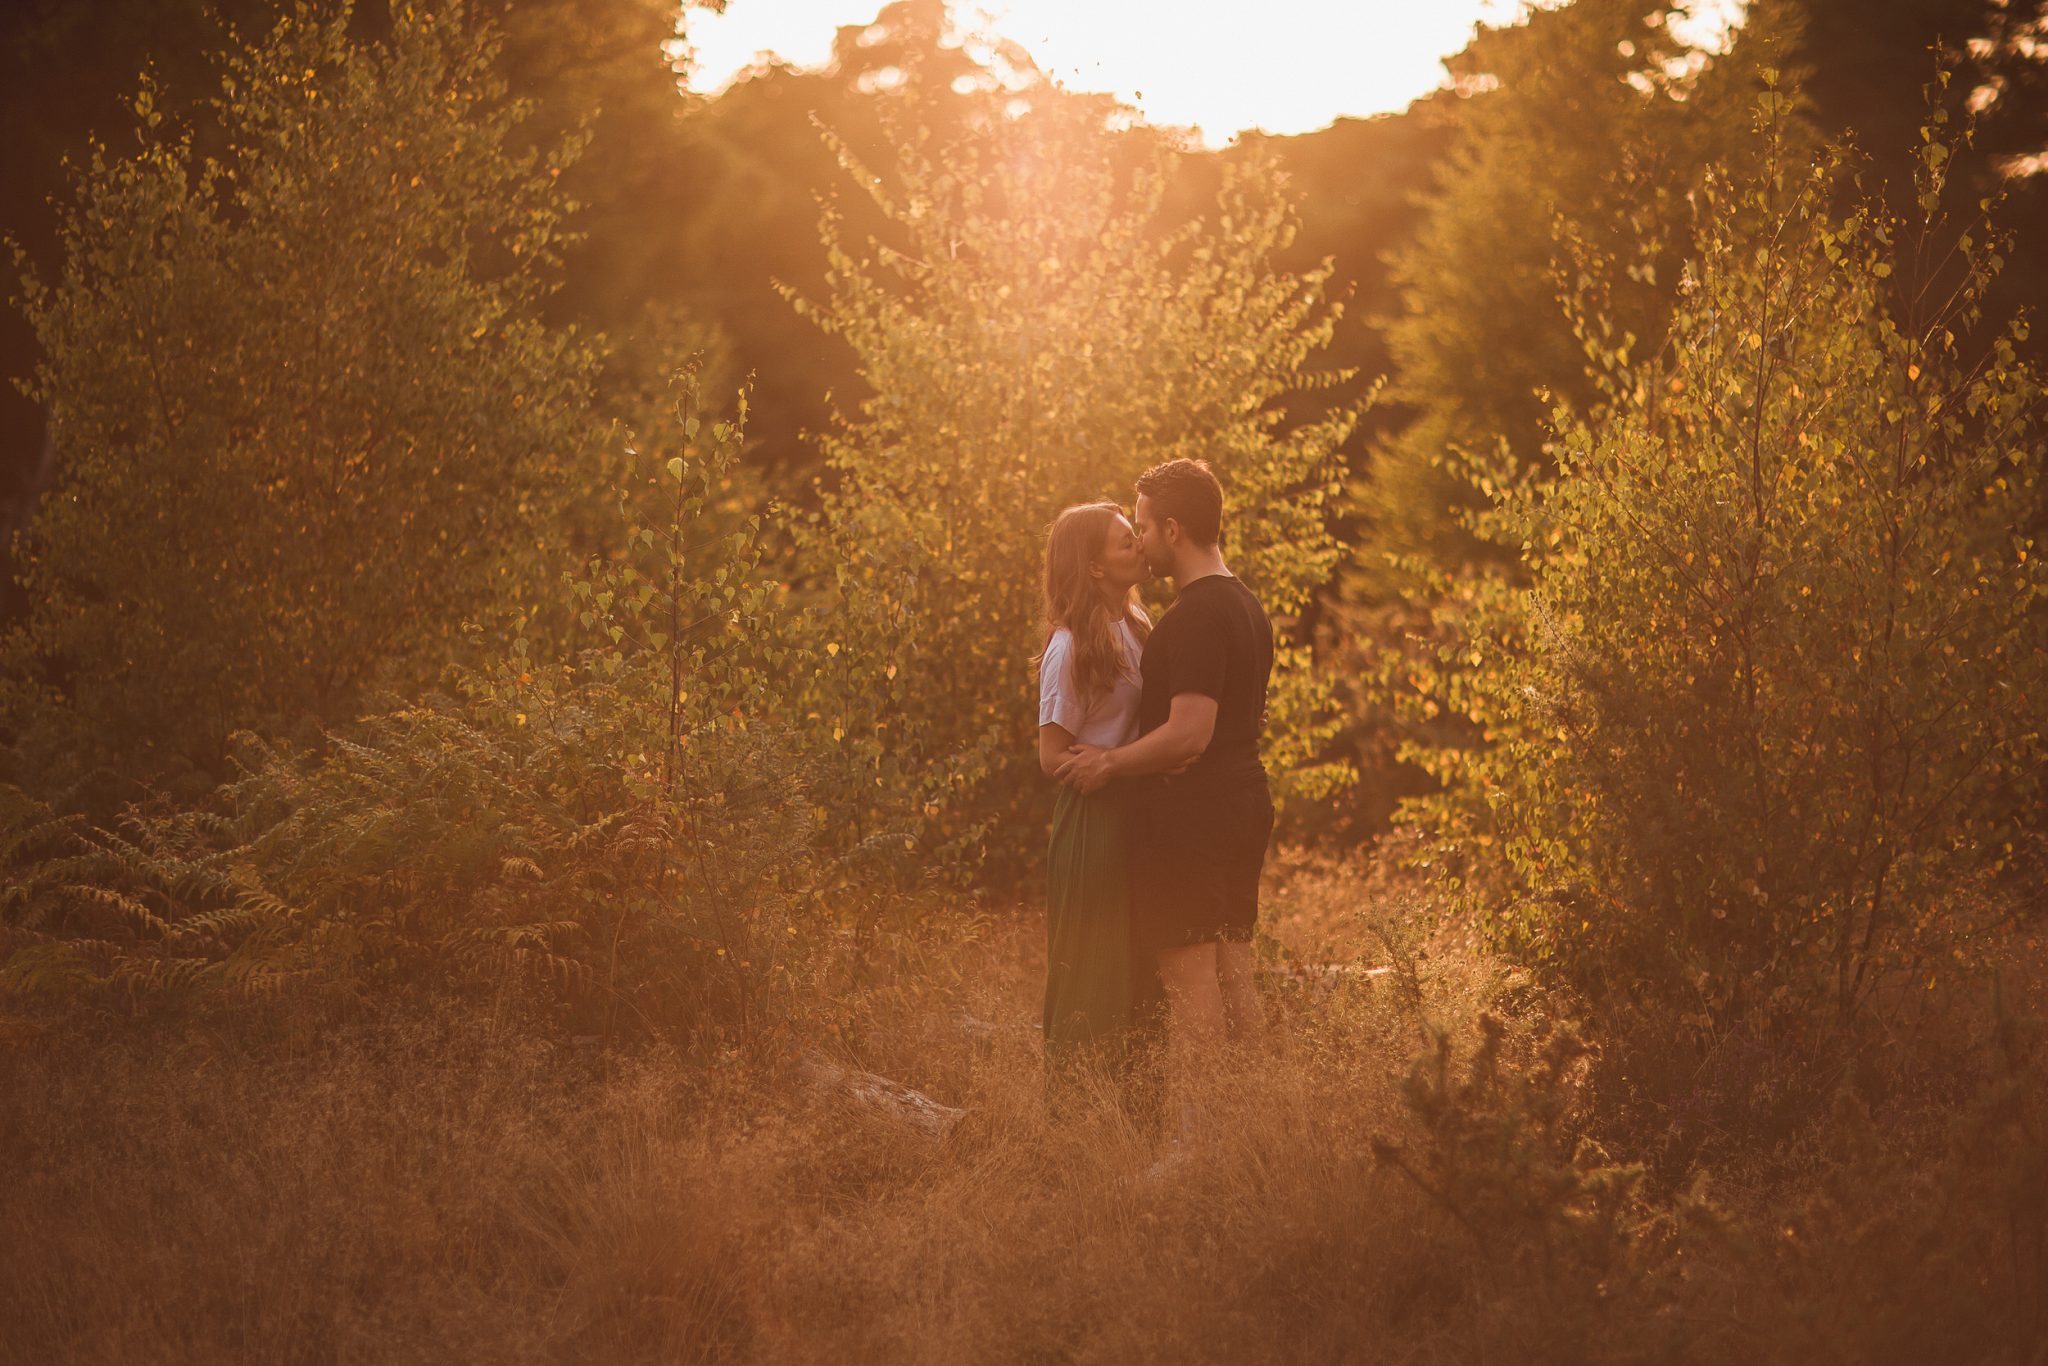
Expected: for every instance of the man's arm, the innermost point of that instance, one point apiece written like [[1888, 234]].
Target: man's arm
[[1189, 726]]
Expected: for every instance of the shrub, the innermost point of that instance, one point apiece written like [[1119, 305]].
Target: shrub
[[309, 418], [624, 828], [1502, 1146], [1762, 732], [1899, 1229], [1039, 338]]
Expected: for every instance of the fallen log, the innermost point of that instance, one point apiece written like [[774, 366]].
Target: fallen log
[[1320, 979], [971, 1026], [893, 1101], [1339, 971]]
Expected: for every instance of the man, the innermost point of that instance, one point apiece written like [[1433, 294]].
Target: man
[[1205, 813]]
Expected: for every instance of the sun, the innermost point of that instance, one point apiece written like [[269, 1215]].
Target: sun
[[1282, 66], [1286, 66]]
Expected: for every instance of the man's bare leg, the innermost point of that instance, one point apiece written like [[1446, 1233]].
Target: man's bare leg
[[1194, 996], [1244, 1021], [1195, 1017]]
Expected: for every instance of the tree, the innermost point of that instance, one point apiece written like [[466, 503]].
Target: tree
[[1035, 342], [755, 170], [1856, 55], [1577, 139], [1578, 135], [606, 68], [1766, 721], [1362, 186], [311, 419]]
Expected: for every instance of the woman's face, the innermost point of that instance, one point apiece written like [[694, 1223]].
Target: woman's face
[[1119, 562]]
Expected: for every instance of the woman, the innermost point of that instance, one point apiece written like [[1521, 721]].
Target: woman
[[1088, 688]]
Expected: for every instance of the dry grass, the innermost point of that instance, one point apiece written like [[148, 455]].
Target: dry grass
[[446, 1187]]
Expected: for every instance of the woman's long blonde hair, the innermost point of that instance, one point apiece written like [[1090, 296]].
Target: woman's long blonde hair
[[1074, 600]]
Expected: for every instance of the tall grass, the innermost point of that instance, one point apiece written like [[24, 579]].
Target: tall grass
[[421, 1185]]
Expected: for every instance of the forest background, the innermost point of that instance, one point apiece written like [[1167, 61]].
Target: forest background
[[521, 590]]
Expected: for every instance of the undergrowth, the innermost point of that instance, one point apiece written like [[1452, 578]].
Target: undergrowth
[[1414, 1173]]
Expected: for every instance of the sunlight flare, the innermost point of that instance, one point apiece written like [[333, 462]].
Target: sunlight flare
[[1291, 67]]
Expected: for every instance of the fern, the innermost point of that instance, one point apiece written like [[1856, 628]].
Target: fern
[[626, 847]]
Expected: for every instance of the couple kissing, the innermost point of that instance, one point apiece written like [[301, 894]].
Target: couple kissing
[[1163, 814]]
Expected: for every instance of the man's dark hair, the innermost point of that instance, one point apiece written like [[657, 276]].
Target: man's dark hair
[[1186, 491]]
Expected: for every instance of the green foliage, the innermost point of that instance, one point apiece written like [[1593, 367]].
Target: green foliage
[[309, 418], [1038, 340], [741, 195], [1579, 135], [620, 828], [1761, 733], [1575, 142], [1502, 1147], [1908, 1232]]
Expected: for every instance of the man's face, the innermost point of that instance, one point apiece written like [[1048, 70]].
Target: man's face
[[1152, 538]]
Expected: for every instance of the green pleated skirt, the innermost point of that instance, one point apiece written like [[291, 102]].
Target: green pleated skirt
[[1088, 982]]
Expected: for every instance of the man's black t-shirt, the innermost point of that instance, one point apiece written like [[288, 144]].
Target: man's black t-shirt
[[1215, 640]]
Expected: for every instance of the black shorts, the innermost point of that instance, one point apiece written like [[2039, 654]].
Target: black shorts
[[1195, 861]]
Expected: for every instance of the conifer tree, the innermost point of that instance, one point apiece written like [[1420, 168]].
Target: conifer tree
[[1578, 137]]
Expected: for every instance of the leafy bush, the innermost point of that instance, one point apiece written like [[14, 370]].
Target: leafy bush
[[1585, 132], [1039, 339], [1503, 1147], [309, 418], [1762, 733], [1900, 1229], [623, 828]]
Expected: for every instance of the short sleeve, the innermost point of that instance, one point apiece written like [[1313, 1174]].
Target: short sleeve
[[1199, 659], [1058, 703]]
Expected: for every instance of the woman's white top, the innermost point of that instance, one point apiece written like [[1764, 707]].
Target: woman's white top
[[1112, 719]]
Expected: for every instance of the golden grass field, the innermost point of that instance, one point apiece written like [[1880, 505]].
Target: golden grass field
[[437, 1184]]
